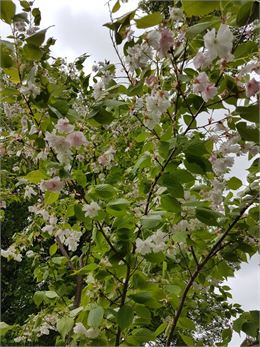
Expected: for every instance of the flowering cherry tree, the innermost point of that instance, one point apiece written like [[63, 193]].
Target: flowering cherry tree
[[135, 215]]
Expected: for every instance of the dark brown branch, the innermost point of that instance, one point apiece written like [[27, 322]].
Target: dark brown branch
[[64, 252]]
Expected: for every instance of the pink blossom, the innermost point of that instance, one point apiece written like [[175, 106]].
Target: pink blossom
[[166, 41], [200, 82], [64, 126], [204, 86], [52, 185], [209, 92], [252, 87], [76, 139], [201, 60]]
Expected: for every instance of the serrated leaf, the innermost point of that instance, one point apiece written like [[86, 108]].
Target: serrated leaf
[[140, 336], [50, 197], [116, 7], [247, 133], [170, 204], [199, 28], [247, 13], [53, 249], [38, 298], [234, 183], [51, 294], [37, 39], [186, 323], [95, 316], [250, 113], [160, 329], [7, 11], [4, 328], [207, 216], [35, 176], [105, 191], [64, 326], [150, 20], [125, 316], [199, 8], [151, 221], [119, 204]]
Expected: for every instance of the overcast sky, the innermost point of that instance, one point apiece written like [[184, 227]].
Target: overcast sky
[[78, 29]]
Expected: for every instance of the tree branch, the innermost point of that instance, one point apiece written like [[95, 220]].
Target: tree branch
[[200, 266]]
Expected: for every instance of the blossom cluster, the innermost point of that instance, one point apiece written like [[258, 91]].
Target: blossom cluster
[[69, 238], [62, 145], [154, 243]]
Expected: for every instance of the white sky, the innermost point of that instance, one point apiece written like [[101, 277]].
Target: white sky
[[78, 29]]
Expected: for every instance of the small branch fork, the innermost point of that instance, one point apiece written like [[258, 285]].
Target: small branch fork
[[214, 250]]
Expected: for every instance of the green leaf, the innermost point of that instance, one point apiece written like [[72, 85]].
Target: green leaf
[[150, 20], [199, 28], [37, 39], [179, 236], [64, 326], [53, 249], [35, 176], [37, 16], [160, 329], [116, 7], [196, 164], [245, 48], [105, 191], [140, 336], [142, 312], [101, 115], [80, 177], [186, 323], [38, 297], [247, 133], [248, 13], [50, 197], [173, 186], [207, 216], [7, 11], [250, 113], [234, 183], [152, 221], [199, 8], [6, 60], [119, 204], [125, 316], [95, 316], [4, 328], [32, 53], [142, 297], [51, 294], [170, 204]]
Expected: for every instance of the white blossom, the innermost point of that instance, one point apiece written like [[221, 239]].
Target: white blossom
[[156, 104], [98, 89], [69, 238], [63, 125], [91, 210], [107, 157], [139, 56], [176, 14], [153, 39], [154, 243], [219, 45], [11, 253], [29, 192]]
